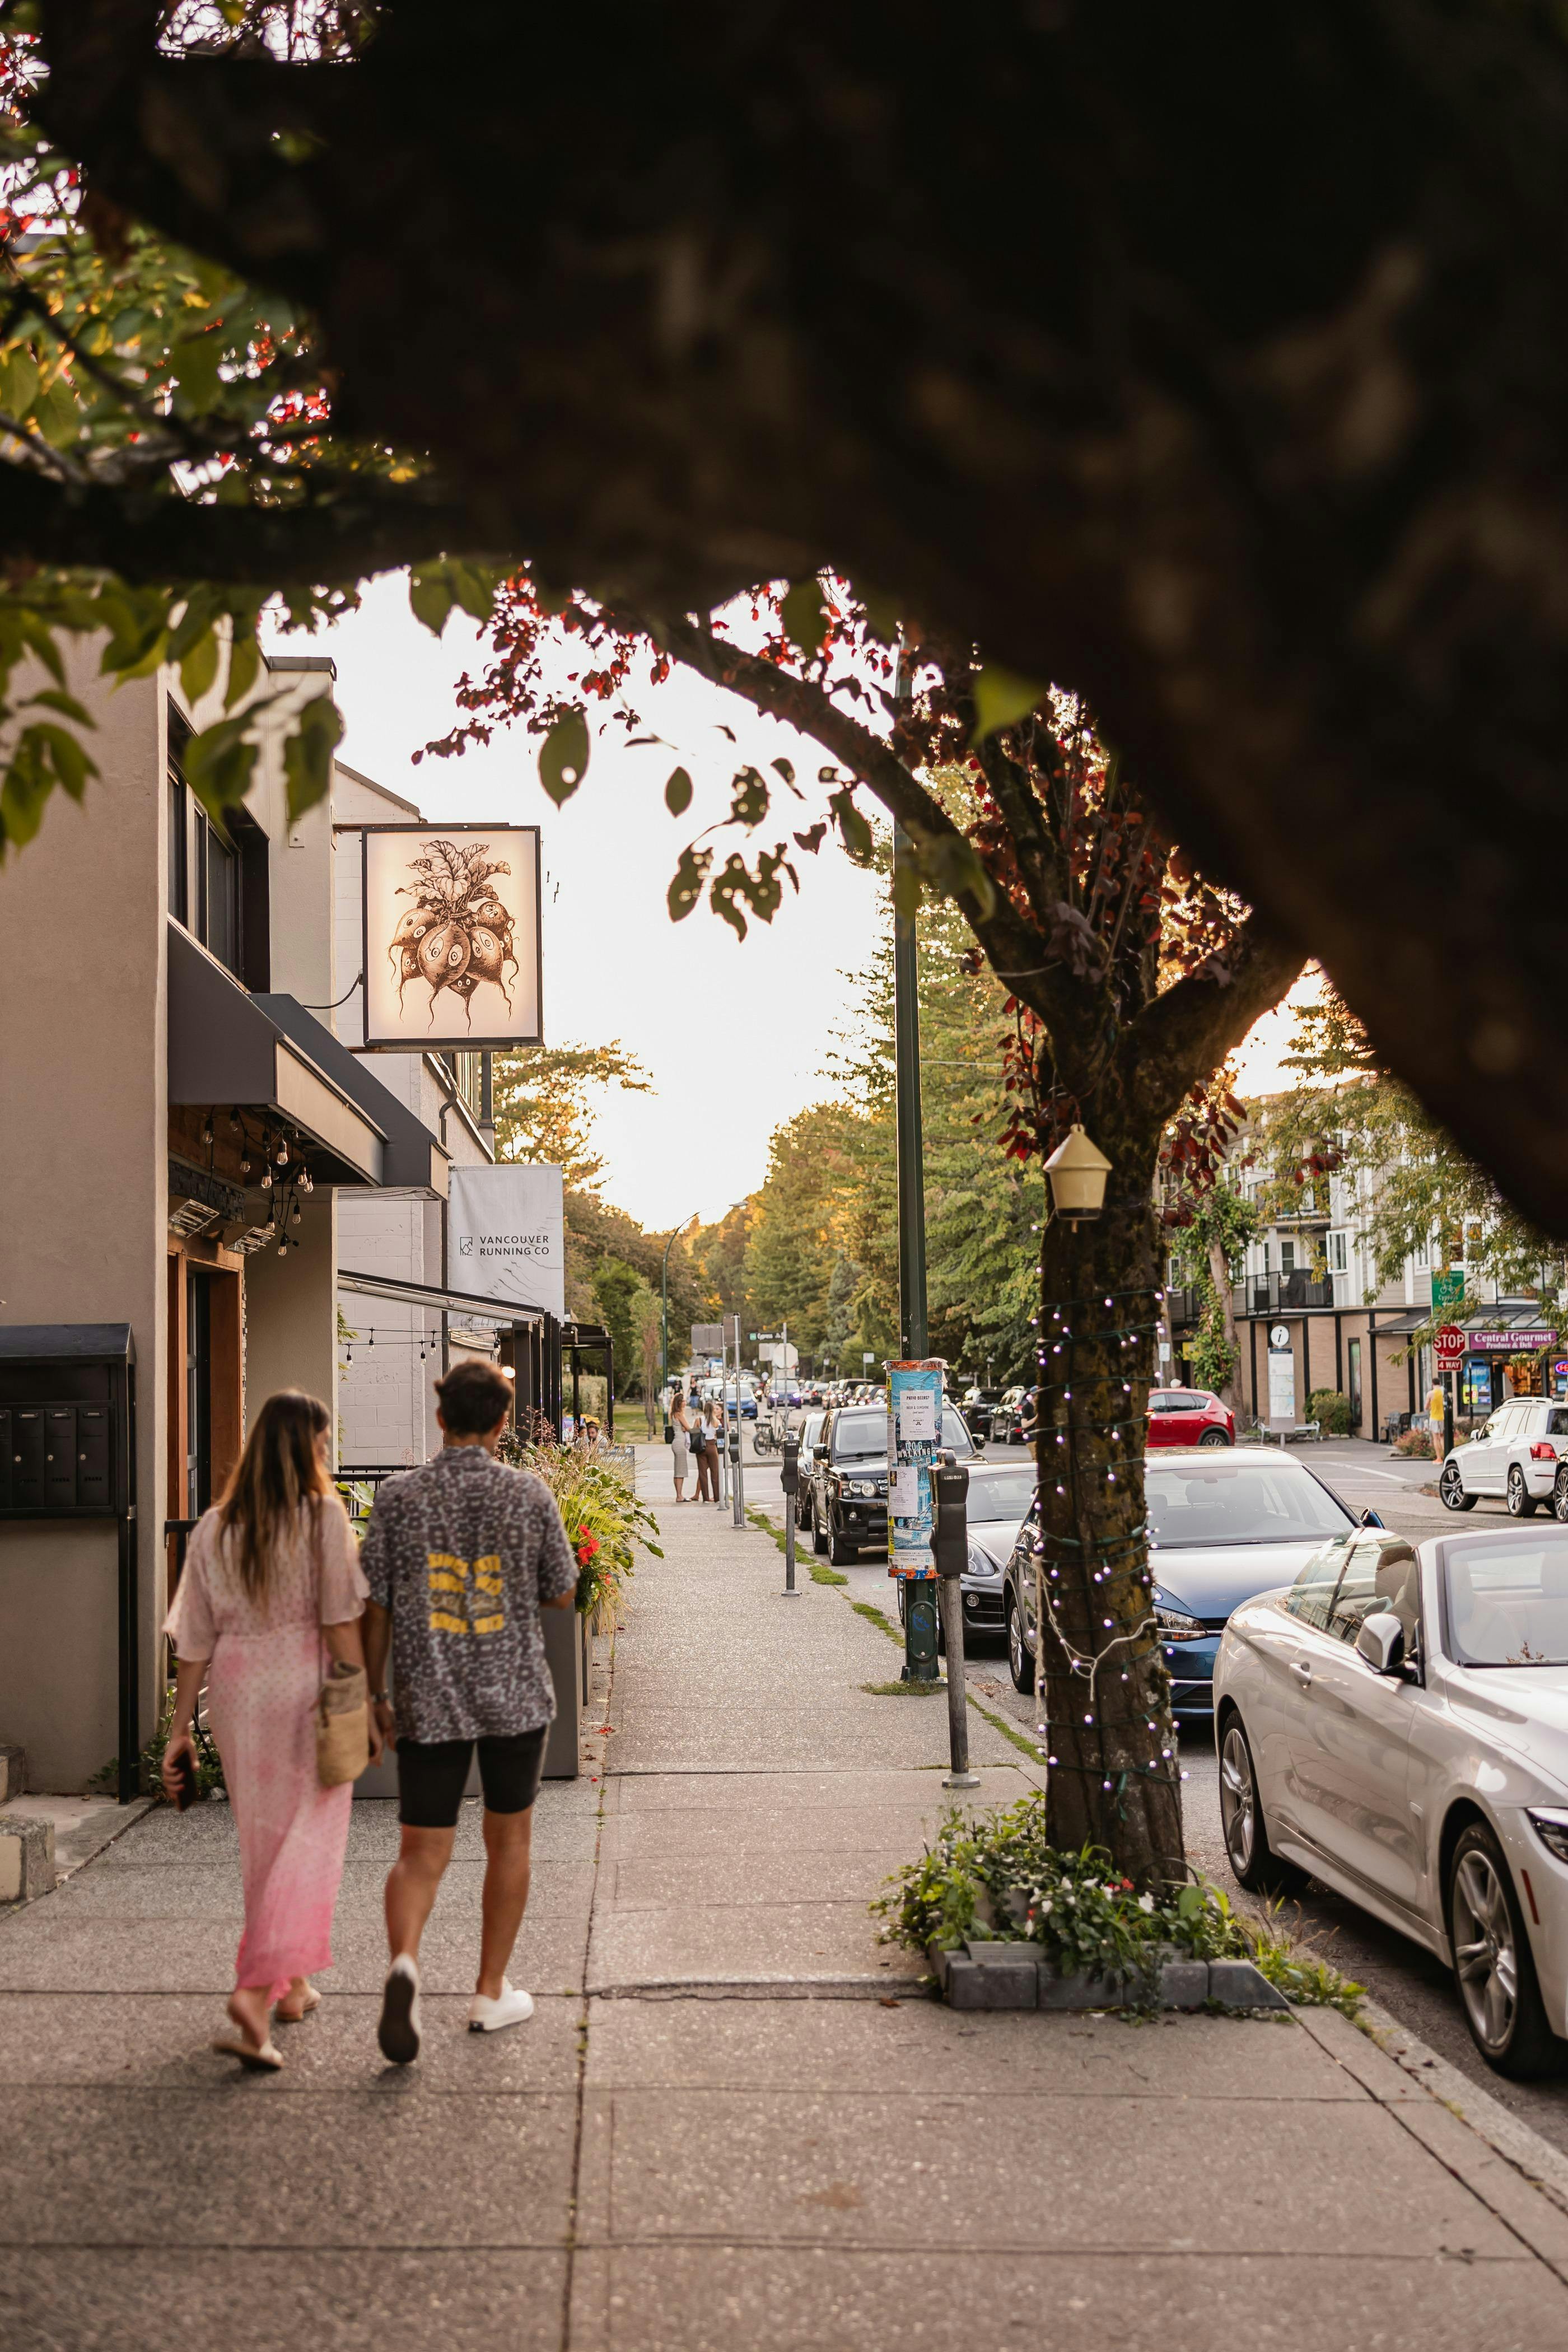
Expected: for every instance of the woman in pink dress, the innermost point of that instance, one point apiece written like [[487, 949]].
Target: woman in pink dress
[[271, 1577]]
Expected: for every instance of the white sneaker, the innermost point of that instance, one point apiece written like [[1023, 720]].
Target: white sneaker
[[398, 2032], [512, 2008]]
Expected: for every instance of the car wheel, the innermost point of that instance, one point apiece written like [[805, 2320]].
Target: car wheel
[[1020, 1649], [1559, 1496], [1520, 1501], [1492, 1965], [818, 1536], [1214, 1437], [1253, 1861], [839, 1552], [1451, 1489]]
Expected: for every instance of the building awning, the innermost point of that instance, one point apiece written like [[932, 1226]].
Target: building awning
[[413, 1162], [270, 1053], [435, 1300]]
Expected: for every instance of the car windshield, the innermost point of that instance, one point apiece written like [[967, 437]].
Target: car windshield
[[863, 1436], [1008, 1497], [1506, 1603], [1239, 1503]]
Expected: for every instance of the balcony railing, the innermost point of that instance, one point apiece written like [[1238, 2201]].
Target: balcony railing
[[1184, 1306], [1282, 1294]]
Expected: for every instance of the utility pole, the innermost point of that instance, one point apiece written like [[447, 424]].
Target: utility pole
[[911, 1168]]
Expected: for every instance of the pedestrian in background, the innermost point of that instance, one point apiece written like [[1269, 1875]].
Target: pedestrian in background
[[707, 1458], [712, 1439], [680, 1423], [462, 1554], [1435, 1404], [272, 1576]]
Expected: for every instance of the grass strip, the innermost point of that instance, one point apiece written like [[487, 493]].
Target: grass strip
[[905, 1690], [813, 1567], [873, 1616], [1028, 1747]]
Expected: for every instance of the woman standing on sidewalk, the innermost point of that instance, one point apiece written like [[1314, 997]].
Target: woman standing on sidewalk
[[272, 1573], [681, 1422], [711, 1436]]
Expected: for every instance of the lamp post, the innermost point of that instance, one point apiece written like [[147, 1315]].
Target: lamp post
[[664, 1299], [911, 1145]]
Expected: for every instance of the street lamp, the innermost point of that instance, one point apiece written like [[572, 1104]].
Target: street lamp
[[664, 1294], [1077, 1170]]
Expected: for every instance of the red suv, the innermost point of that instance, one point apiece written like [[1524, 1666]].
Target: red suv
[[1189, 1417]]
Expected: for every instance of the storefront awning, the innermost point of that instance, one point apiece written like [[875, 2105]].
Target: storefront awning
[[223, 1048], [413, 1161], [437, 1301]]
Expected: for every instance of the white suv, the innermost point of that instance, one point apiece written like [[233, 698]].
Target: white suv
[[1521, 1453]]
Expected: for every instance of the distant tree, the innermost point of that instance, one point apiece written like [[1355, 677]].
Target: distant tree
[[544, 1097], [795, 1239]]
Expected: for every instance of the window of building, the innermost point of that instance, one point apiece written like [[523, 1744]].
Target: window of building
[[1338, 1253], [1287, 1257], [217, 886]]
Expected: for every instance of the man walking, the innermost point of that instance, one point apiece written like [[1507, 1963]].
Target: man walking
[[461, 1555]]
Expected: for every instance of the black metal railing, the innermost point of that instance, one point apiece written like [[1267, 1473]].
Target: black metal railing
[[1282, 1294]]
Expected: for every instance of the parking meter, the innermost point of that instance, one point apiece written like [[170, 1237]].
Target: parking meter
[[950, 1544], [789, 1480]]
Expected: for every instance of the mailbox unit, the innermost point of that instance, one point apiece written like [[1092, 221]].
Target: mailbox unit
[[67, 1451]]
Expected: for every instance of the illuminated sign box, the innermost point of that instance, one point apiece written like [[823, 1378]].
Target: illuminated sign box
[[452, 957]]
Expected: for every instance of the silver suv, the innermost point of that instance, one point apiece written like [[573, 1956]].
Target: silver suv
[[1520, 1453]]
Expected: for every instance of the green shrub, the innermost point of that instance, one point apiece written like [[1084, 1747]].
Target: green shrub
[[998, 1876], [1331, 1410], [603, 1518]]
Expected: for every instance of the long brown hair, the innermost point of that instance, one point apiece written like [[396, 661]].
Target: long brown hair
[[279, 1468]]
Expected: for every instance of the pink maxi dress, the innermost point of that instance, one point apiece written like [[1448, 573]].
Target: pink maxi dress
[[268, 1661]]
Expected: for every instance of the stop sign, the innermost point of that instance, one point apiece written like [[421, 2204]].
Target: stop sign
[[1449, 1346]]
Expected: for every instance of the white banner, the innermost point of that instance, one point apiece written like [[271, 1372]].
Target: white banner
[[507, 1234]]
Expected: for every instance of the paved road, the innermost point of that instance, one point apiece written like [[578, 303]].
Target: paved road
[[1408, 1981]]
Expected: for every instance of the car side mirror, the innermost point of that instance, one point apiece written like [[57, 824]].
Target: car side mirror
[[1381, 1642], [1369, 1520], [819, 1452]]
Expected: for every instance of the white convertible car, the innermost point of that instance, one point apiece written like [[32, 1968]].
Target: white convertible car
[[1395, 1722]]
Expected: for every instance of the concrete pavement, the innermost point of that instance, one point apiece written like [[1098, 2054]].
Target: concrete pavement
[[736, 2118]]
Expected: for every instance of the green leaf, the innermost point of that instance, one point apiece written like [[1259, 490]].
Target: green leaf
[[52, 698], [199, 667], [690, 872], [196, 358], [58, 417], [1001, 697], [804, 617], [474, 586], [677, 793], [243, 666], [881, 615], [749, 803], [19, 385], [308, 754], [219, 764], [852, 826], [951, 864], [564, 757], [70, 763], [431, 594], [906, 889], [27, 786]]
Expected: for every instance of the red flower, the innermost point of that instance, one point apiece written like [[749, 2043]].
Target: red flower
[[586, 1549]]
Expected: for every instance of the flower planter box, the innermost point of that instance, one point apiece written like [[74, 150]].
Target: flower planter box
[[1006, 1975]]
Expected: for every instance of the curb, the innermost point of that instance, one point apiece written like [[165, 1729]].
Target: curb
[[997, 1974], [1544, 2166]]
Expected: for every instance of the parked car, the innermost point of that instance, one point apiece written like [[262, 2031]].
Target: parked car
[[1189, 1417], [1520, 1453], [1219, 1532], [977, 1406], [1396, 1723], [849, 1478], [1001, 1495]]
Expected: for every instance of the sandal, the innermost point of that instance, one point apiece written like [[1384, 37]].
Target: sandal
[[281, 2016], [261, 2058]]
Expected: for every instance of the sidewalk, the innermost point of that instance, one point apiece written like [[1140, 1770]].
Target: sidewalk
[[736, 2120]]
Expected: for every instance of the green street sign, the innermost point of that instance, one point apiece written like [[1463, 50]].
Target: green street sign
[[1447, 1292]]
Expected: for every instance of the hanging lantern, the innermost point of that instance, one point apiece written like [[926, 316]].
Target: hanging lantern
[[1077, 1170]]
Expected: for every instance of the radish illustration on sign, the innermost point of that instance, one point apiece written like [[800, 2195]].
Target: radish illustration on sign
[[451, 919]]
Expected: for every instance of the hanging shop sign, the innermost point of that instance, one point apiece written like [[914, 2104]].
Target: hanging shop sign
[[506, 1235], [452, 957], [914, 1433]]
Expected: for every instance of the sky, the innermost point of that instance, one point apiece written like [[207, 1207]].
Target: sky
[[734, 1035]]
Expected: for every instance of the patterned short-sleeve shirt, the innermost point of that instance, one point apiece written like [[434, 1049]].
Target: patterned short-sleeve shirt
[[462, 1552]]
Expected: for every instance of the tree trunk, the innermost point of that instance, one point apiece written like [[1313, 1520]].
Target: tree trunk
[[1114, 1772], [1219, 1275]]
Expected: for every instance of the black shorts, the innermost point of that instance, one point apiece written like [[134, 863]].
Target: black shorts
[[431, 1773]]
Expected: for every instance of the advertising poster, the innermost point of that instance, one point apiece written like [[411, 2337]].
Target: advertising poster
[[914, 1433], [451, 937], [507, 1235]]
